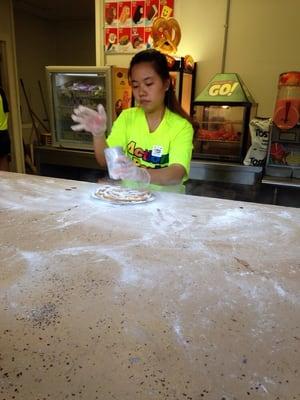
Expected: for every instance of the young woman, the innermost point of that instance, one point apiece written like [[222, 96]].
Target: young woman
[[4, 135], [156, 135]]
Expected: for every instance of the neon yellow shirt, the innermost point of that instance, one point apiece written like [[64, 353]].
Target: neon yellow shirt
[[3, 116], [171, 142]]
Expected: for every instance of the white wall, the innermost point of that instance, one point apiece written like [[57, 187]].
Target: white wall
[[202, 29], [263, 41]]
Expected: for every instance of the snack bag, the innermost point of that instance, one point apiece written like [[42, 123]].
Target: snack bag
[[260, 133]]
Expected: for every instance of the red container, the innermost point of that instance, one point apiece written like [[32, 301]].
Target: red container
[[287, 108]]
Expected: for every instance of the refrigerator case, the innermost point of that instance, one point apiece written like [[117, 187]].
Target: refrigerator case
[[71, 86]]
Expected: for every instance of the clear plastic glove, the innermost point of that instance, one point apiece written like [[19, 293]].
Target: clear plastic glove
[[124, 168], [90, 120]]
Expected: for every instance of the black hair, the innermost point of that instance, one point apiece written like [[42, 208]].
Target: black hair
[[160, 65]]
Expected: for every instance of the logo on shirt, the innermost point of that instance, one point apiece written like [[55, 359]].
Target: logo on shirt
[[154, 156]]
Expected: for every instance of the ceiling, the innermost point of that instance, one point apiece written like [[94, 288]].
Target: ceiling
[[58, 9]]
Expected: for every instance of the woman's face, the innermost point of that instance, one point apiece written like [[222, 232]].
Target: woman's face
[[148, 88]]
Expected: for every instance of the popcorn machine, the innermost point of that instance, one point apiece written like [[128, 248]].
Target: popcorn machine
[[223, 110]]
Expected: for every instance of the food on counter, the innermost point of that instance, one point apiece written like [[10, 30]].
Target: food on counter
[[123, 195], [260, 132]]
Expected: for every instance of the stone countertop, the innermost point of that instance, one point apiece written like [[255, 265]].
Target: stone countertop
[[185, 297]]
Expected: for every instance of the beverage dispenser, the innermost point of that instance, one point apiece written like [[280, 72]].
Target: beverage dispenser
[[284, 148]]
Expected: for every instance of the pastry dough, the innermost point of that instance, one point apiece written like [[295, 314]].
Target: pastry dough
[[123, 195]]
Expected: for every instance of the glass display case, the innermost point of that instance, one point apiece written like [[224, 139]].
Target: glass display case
[[223, 111], [68, 87]]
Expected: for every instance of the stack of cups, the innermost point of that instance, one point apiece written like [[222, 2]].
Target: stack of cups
[[111, 154]]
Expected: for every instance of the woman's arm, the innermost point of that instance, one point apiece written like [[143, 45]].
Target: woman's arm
[[99, 144], [171, 175], [92, 121]]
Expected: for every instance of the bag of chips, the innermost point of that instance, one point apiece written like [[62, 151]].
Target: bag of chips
[[260, 134]]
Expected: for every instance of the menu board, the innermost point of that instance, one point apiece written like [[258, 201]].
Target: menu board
[[128, 23]]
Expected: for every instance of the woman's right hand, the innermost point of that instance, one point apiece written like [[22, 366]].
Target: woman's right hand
[[90, 120], [125, 168]]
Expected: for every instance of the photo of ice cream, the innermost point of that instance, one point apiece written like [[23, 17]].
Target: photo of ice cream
[[112, 38], [138, 14], [152, 12], [129, 24], [110, 13], [125, 14]]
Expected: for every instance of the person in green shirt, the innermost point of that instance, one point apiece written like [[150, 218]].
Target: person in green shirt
[[156, 135], [4, 135]]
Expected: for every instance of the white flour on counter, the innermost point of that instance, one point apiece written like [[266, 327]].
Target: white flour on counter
[[180, 297]]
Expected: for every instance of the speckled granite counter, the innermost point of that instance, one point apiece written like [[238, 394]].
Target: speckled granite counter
[[181, 298]]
